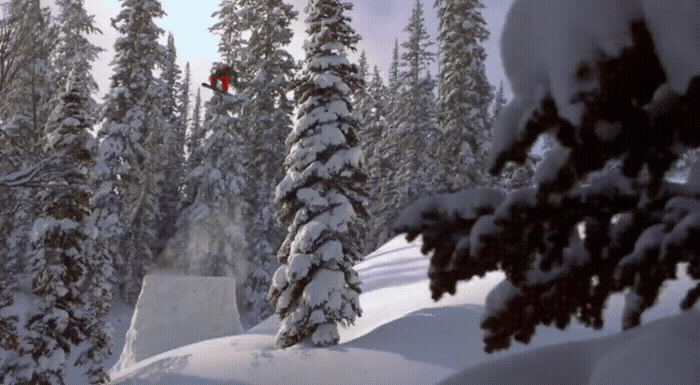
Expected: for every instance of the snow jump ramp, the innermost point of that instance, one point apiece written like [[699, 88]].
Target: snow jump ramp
[[174, 311]]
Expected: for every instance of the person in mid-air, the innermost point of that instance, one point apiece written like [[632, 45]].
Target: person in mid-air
[[224, 73]]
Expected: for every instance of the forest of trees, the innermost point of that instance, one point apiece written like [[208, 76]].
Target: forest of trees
[[96, 195]]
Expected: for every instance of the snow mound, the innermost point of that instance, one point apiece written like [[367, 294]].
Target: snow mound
[[174, 311], [662, 352]]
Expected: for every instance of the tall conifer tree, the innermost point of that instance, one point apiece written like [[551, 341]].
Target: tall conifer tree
[[322, 197], [267, 114], [125, 199], [25, 108], [27, 38], [465, 94], [378, 165], [499, 101], [70, 274], [413, 126], [171, 162]]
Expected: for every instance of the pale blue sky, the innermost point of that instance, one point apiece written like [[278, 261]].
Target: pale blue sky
[[379, 22]]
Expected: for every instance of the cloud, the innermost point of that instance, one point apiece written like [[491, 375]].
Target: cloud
[[378, 22]]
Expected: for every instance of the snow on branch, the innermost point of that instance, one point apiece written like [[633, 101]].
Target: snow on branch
[[47, 173], [609, 80]]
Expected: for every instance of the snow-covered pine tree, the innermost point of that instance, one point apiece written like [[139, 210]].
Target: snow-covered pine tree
[[64, 275], [499, 101], [431, 173], [172, 148], [361, 98], [26, 39], [78, 53], [465, 94], [362, 105], [374, 128], [196, 133], [321, 196], [24, 113], [194, 155], [637, 104], [183, 103], [375, 125], [236, 18], [394, 85], [388, 153], [125, 200], [414, 128], [215, 214], [267, 114]]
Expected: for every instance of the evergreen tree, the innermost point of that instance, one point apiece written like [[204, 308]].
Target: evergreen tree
[[377, 113], [209, 235], [394, 70], [322, 198], [267, 114], [499, 101], [125, 200], [183, 106], [172, 147], [394, 86], [374, 127], [362, 101], [363, 104], [67, 277], [194, 156], [388, 155], [413, 126], [27, 38], [465, 94], [236, 18], [24, 113], [361, 98], [196, 132], [638, 226]]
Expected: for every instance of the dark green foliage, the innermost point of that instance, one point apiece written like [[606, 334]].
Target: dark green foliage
[[638, 227]]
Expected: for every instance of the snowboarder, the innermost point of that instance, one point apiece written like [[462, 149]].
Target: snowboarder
[[224, 73]]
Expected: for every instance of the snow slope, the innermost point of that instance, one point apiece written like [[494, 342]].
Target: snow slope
[[662, 352], [402, 337]]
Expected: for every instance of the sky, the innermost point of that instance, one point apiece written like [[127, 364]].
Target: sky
[[378, 22]]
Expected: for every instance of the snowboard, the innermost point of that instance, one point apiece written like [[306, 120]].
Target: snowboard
[[214, 88]]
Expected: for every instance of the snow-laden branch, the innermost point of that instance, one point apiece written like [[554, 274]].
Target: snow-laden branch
[[47, 173], [605, 78], [562, 257]]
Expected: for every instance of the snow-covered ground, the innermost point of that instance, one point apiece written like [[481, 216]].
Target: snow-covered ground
[[665, 351], [404, 337]]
